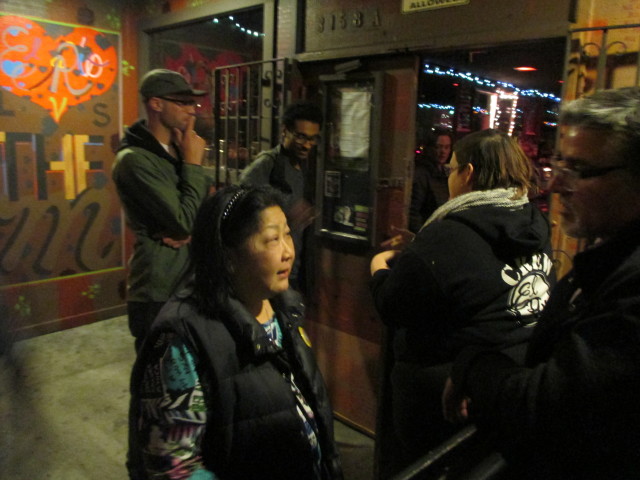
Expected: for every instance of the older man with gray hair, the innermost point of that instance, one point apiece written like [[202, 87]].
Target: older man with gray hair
[[571, 412]]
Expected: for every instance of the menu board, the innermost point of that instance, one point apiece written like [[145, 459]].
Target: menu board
[[348, 159]]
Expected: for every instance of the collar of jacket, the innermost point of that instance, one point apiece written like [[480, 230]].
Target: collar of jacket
[[249, 334], [138, 135], [592, 266]]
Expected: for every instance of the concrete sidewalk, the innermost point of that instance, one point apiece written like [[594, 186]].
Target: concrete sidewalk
[[63, 408]]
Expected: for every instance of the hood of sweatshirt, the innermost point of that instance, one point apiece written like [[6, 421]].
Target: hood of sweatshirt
[[138, 135], [512, 232]]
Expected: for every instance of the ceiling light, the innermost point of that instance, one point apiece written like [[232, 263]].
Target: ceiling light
[[525, 69]]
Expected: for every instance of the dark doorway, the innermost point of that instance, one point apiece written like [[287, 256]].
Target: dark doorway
[[514, 88]]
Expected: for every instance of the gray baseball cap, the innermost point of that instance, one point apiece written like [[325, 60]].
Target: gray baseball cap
[[160, 82]]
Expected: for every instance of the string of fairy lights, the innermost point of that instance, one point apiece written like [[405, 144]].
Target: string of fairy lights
[[485, 82], [503, 103], [238, 26], [504, 91]]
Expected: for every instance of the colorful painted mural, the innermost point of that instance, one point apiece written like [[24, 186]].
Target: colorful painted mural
[[60, 222], [55, 69]]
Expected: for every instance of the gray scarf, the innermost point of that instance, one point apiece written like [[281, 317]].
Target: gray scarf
[[498, 197]]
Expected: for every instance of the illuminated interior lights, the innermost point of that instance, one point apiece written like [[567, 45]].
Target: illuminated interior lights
[[493, 107], [485, 82], [512, 121], [496, 113]]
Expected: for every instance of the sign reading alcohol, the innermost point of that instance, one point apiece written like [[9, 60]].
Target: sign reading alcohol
[[411, 6]]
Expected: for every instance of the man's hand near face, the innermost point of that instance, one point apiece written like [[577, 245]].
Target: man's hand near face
[[190, 144]]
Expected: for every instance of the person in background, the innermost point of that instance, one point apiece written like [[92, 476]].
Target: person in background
[[287, 168], [161, 184], [227, 385], [571, 412], [430, 189], [477, 273]]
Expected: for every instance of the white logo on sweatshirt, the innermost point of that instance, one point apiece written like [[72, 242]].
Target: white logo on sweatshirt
[[530, 292]]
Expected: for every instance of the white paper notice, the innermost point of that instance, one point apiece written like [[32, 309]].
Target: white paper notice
[[355, 109]]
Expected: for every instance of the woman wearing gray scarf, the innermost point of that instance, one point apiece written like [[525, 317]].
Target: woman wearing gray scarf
[[478, 272]]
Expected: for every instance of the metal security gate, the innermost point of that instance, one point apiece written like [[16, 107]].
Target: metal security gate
[[602, 57], [249, 99]]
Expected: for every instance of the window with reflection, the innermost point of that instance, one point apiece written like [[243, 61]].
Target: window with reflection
[[196, 49]]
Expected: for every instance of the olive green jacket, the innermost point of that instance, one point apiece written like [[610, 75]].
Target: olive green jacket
[[160, 195]]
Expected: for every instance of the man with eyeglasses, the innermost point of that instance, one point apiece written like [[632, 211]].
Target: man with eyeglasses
[[160, 181], [287, 168], [571, 412]]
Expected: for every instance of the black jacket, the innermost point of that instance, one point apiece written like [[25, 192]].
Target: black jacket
[[572, 411], [253, 430], [480, 276], [429, 190]]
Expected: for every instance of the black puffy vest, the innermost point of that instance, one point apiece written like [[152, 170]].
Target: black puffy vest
[[253, 429]]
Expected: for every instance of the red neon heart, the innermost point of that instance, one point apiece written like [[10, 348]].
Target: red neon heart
[[55, 73]]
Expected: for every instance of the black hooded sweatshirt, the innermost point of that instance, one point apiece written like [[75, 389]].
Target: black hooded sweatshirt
[[480, 276]]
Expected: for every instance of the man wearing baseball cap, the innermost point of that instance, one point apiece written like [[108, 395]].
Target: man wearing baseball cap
[[160, 181], [159, 177]]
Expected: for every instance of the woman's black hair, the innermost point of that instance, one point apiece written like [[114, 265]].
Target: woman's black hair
[[224, 222]]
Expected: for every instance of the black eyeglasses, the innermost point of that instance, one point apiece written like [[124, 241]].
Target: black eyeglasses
[[559, 166], [301, 138], [182, 103]]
